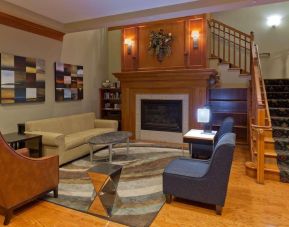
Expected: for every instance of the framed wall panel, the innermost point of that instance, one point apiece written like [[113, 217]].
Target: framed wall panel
[[22, 79], [68, 82]]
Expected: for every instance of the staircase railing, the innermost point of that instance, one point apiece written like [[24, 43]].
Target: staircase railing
[[260, 120], [231, 45], [238, 49]]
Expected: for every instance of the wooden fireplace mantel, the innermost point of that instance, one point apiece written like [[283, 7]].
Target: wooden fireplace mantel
[[193, 82]]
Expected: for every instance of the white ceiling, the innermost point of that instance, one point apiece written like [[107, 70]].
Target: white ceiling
[[66, 11]]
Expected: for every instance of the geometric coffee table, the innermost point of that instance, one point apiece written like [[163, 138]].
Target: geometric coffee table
[[105, 177]]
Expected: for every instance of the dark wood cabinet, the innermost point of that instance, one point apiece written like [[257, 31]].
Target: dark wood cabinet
[[110, 104]]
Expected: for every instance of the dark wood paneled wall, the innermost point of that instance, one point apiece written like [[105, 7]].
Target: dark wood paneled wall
[[184, 54]]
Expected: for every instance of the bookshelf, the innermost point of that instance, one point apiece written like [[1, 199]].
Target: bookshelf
[[110, 104]]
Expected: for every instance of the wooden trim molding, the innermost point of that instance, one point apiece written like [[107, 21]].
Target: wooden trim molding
[[29, 26]]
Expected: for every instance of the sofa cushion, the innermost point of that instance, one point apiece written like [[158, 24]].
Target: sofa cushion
[[187, 167], [79, 138], [65, 125]]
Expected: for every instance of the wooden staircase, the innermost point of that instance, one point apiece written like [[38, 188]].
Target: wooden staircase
[[238, 52]]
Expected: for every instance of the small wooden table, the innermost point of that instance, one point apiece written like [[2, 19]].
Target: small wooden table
[[17, 141], [105, 177], [196, 137]]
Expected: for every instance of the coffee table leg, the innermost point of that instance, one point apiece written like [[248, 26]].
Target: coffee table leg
[[110, 152], [91, 153], [127, 146]]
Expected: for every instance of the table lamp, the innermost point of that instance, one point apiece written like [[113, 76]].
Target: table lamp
[[204, 116]]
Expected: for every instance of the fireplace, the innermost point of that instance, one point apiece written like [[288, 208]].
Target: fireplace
[[161, 115]]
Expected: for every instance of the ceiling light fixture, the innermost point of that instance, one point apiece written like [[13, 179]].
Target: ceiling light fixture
[[274, 21]]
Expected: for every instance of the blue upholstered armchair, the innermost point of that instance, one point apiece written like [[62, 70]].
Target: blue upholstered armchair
[[205, 151], [201, 180]]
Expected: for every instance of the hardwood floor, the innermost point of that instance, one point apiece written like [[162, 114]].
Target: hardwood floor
[[45, 214], [247, 204]]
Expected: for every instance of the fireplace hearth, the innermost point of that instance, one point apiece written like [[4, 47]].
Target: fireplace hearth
[[161, 115]]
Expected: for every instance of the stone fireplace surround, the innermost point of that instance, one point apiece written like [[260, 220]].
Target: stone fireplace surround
[[162, 136]]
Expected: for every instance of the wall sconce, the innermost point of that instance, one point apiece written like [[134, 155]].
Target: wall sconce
[[195, 35], [129, 43], [274, 21]]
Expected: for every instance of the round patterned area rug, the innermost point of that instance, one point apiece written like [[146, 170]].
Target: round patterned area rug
[[139, 188]]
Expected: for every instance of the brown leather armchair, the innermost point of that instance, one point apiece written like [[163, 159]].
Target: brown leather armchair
[[23, 179]]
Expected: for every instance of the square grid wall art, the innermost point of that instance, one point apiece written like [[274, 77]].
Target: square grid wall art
[[22, 79], [68, 82]]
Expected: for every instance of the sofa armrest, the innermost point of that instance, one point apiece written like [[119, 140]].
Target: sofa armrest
[[101, 123], [50, 138]]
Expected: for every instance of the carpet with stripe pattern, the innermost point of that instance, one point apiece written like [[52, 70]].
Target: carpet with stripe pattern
[[139, 188]]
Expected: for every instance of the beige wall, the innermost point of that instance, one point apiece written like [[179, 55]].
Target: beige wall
[[89, 49], [270, 40], [85, 48], [114, 53]]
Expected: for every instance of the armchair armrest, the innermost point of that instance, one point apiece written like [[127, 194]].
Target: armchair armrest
[[50, 138], [101, 123], [23, 152]]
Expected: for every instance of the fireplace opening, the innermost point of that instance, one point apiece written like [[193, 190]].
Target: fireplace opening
[[161, 115]]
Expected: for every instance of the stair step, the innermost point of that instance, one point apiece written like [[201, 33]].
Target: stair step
[[269, 143], [271, 169], [280, 132], [277, 95], [276, 81], [269, 153], [277, 88], [280, 128], [278, 103], [279, 112], [267, 139], [272, 173]]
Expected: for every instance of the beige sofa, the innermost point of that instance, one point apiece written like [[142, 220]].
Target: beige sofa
[[67, 136]]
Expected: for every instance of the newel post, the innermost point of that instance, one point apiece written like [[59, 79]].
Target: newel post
[[260, 147]]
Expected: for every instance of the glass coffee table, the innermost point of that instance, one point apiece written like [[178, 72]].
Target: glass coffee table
[[109, 139]]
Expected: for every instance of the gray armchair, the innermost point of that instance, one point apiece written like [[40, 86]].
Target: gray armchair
[[205, 151], [201, 180]]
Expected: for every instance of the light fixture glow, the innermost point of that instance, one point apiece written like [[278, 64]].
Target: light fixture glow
[[274, 20], [129, 43], [195, 35]]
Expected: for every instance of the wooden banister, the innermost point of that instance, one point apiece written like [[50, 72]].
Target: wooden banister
[[259, 113], [225, 40]]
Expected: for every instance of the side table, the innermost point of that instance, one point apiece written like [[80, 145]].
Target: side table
[[17, 141], [199, 142], [105, 177]]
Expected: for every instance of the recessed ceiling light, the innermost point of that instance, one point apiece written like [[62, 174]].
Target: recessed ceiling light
[[274, 20]]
